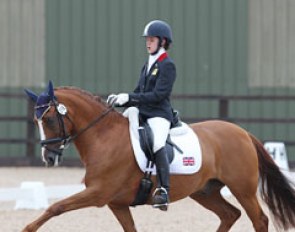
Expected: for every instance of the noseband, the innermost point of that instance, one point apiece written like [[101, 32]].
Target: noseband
[[66, 139]]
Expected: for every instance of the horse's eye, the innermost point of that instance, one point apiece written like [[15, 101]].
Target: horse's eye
[[49, 121]]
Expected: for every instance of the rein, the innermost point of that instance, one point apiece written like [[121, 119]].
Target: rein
[[71, 138]]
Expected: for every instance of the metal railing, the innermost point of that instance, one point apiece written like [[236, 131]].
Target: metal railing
[[30, 139], [224, 108]]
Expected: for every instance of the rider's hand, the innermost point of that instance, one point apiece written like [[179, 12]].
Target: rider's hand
[[111, 99], [122, 99]]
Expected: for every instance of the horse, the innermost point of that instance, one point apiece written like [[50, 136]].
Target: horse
[[231, 156]]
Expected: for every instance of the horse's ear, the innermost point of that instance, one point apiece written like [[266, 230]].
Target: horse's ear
[[50, 90], [31, 95]]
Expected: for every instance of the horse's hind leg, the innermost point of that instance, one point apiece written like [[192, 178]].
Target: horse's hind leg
[[124, 216], [253, 209], [211, 199]]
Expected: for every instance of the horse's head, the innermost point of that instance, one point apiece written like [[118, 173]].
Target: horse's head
[[56, 112], [53, 129]]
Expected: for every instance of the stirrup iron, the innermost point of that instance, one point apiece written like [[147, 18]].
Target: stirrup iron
[[159, 192]]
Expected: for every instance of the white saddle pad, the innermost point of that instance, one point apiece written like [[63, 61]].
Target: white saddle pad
[[187, 163]]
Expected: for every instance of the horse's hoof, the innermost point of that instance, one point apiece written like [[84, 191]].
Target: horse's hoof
[[26, 229]]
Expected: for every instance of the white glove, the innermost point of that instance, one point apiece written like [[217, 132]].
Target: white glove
[[122, 98], [111, 99]]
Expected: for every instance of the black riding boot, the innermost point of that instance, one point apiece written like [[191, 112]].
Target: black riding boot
[[161, 194]]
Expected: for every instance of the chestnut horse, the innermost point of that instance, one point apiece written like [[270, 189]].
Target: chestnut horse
[[230, 156]]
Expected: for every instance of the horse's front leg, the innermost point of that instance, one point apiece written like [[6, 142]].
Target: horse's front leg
[[124, 216], [86, 198]]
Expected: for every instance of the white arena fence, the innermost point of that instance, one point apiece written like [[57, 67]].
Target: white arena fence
[[34, 194]]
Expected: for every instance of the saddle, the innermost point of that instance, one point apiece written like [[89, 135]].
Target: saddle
[[146, 139], [185, 163]]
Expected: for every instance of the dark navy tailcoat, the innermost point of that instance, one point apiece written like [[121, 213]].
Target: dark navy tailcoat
[[152, 94]]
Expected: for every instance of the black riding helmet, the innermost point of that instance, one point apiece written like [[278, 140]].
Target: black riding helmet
[[160, 29]]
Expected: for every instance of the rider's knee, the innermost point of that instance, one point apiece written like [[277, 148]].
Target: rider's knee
[[157, 146]]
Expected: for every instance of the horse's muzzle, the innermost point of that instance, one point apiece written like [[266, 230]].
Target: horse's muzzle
[[53, 150], [53, 159]]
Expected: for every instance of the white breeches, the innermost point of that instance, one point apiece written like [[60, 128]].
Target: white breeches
[[160, 128]]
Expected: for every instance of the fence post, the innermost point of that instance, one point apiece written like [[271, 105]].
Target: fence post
[[223, 108], [30, 150]]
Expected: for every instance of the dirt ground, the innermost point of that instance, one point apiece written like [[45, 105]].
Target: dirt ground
[[182, 216]]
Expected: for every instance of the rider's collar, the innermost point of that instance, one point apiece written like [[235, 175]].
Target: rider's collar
[[154, 58]]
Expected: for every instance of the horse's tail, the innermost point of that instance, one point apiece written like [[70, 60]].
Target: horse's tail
[[276, 190]]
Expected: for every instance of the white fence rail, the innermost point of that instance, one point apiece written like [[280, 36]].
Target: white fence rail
[[34, 195]]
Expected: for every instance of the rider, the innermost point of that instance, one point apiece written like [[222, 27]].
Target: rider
[[152, 97]]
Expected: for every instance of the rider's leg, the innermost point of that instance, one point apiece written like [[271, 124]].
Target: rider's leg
[[161, 196], [160, 128]]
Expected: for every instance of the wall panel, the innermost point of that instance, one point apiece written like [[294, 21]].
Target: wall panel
[[221, 47], [271, 38], [22, 43], [101, 41]]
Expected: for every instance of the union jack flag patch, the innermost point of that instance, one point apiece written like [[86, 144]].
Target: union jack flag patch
[[188, 161]]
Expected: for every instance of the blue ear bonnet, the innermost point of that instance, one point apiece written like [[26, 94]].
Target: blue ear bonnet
[[42, 105], [43, 101]]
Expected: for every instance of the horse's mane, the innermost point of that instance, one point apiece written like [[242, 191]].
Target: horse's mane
[[91, 97], [85, 93]]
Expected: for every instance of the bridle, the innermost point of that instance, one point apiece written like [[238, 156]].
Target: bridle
[[65, 138]]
